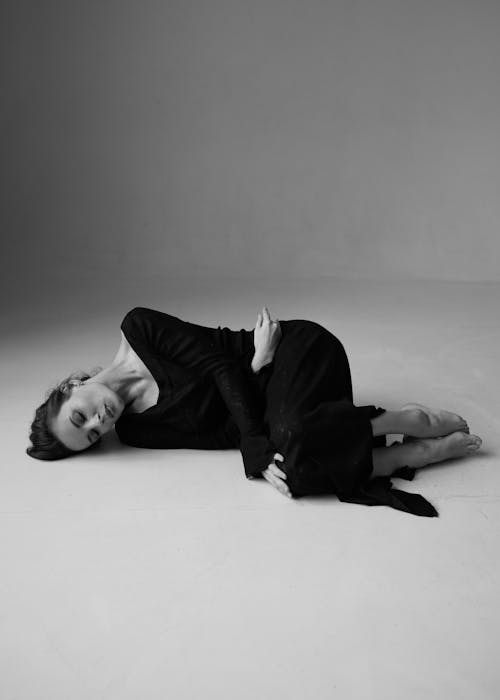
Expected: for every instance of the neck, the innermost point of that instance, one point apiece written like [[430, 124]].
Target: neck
[[122, 375]]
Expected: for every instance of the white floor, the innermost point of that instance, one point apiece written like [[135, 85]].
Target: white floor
[[158, 574]]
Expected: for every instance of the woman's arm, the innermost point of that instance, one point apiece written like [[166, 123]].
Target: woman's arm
[[189, 345], [154, 435], [267, 335]]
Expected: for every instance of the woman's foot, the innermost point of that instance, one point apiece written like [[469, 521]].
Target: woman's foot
[[421, 421], [458, 444], [418, 453]]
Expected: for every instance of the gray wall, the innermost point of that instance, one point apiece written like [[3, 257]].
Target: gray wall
[[355, 138]]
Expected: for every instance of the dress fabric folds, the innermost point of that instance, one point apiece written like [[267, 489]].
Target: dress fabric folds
[[300, 405]]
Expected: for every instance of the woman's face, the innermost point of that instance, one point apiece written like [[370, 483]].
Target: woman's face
[[85, 415]]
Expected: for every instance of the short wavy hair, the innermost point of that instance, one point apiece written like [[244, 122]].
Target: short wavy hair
[[45, 445]]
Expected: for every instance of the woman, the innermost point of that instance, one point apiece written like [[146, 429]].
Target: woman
[[281, 392]]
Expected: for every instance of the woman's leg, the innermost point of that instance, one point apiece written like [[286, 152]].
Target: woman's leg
[[419, 421], [420, 453]]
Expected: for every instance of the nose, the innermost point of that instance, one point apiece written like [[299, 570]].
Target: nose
[[100, 417]]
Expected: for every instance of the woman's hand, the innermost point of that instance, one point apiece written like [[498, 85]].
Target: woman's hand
[[277, 477], [267, 335]]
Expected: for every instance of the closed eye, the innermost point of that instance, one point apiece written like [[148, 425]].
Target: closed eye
[[79, 415]]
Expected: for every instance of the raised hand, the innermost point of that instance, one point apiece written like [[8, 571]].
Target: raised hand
[[267, 335], [277, 477]]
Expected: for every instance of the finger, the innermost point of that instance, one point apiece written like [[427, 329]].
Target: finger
[[279, 456], [279, 485], [259, 319], [266, 314], [274, 478], [284, 491], [283, 488], [277, 471]]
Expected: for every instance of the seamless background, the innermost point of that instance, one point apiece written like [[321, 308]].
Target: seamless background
[[356, 139]]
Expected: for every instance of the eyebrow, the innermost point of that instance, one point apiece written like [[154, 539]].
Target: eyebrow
[[79, 426]]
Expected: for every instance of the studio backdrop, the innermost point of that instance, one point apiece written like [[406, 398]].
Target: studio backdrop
[[351, 138]]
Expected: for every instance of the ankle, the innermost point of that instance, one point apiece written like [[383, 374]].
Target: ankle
[[414, 454], [417, 453]]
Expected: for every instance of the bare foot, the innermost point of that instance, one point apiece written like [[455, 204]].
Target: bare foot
[[422, 421], [457, 444]]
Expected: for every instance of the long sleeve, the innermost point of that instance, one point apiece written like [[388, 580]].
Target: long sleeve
[[154, 435], [190, 346]]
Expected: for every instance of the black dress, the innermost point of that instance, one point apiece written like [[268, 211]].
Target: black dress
[[300, 405]]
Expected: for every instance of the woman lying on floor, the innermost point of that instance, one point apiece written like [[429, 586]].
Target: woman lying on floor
[[281, 392]]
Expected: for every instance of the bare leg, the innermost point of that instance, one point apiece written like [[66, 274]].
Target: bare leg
[[388, 422], [419, 453], [419, 421]]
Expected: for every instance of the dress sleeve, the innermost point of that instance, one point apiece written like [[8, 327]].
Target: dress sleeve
[[155, 435], [192, 347]]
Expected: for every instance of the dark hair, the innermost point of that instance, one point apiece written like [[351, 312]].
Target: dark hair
[[45, 445]]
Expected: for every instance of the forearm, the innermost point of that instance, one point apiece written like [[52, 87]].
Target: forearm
[[258, 362]]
